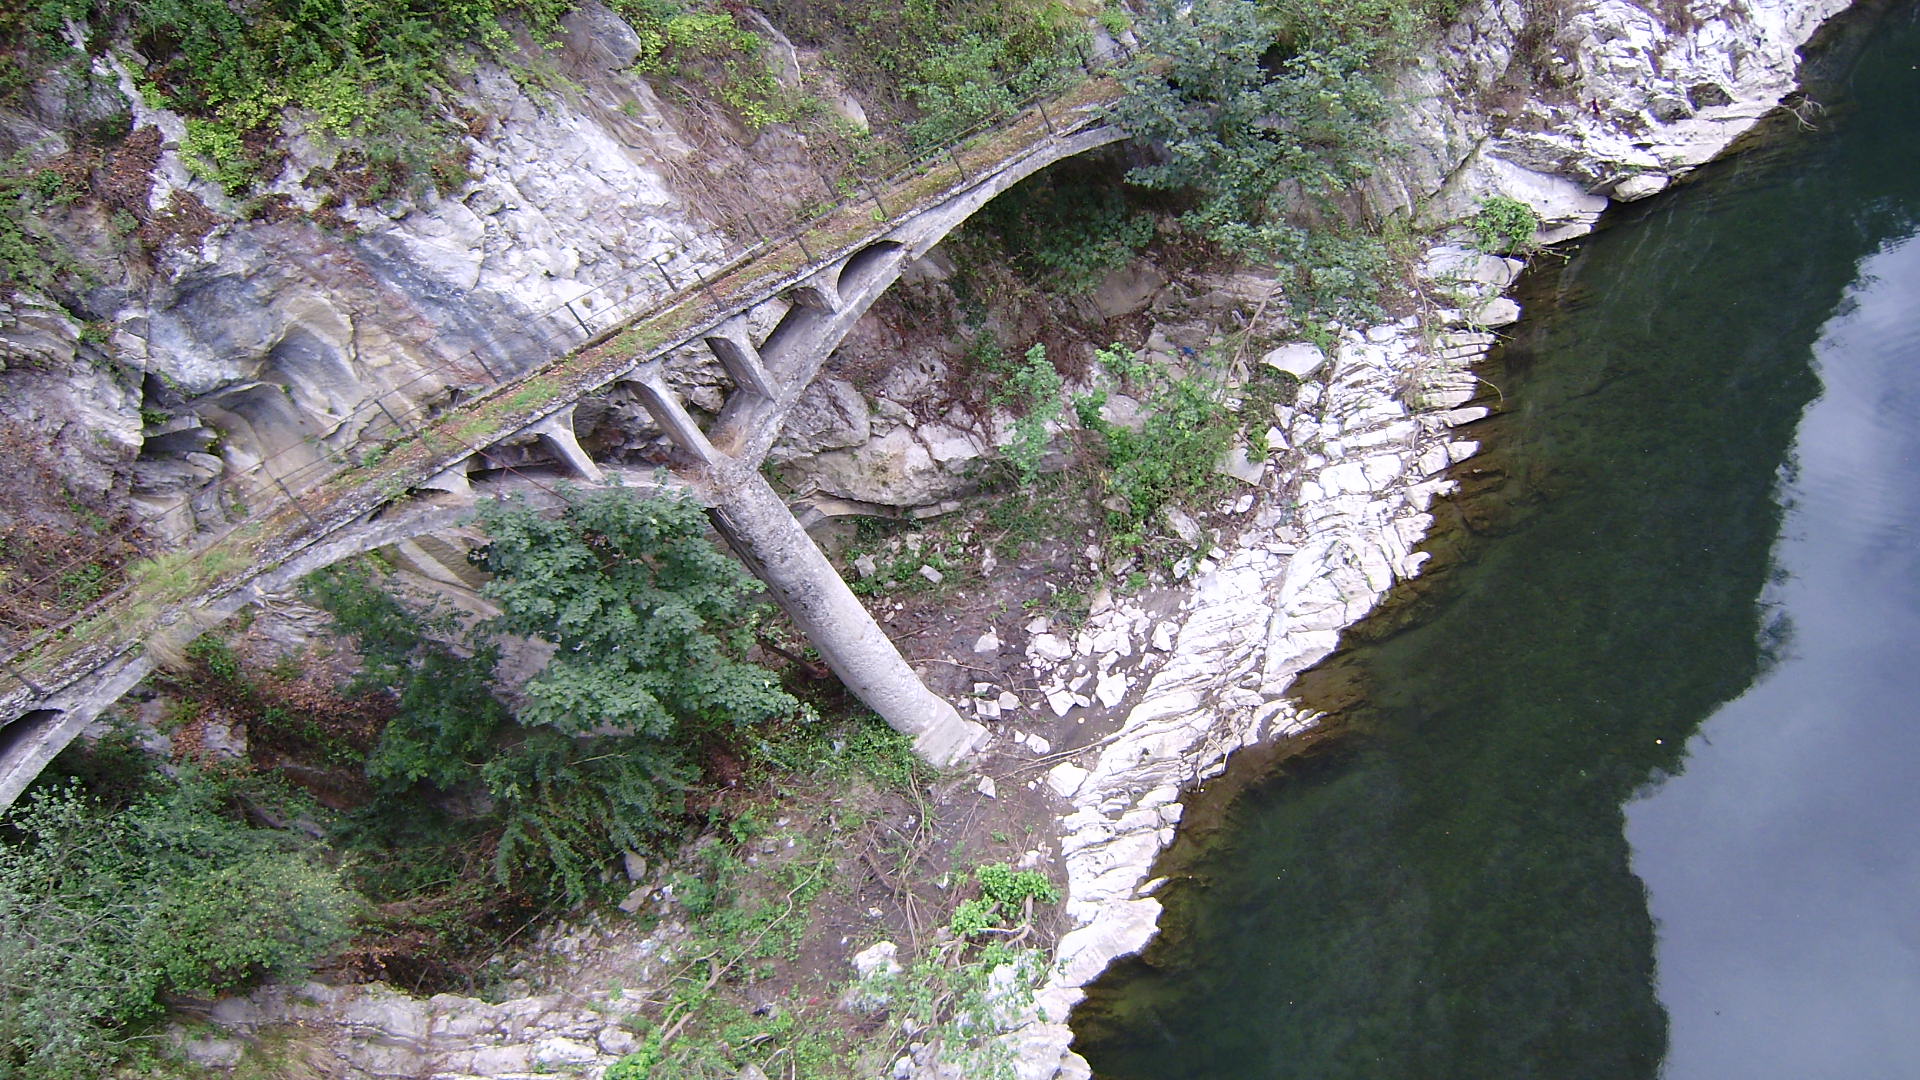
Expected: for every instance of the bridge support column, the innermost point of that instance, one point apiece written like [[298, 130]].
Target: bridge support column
[[664, 406], [756, 521], [741, 359], [557, 431]]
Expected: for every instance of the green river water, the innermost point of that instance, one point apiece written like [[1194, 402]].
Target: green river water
[[1635, 794]]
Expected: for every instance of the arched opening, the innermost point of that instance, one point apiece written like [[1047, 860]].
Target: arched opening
[[865, 267]]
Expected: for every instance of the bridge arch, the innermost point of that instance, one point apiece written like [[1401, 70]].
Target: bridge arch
[[826, 304], [871, 265]]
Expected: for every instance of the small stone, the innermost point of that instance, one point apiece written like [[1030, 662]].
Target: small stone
[[1009, 700], [1038, 624], [1639, 186], [986, 787], [1049, 648], [865, 566], [877, 958], [750, 1071], [211, 1053], [1066, 778], [635, 865], [931, 574], [1182, 525], [635, 900], [987, 643], [1238, 465], [561, 1051], [617, 1041], [1299, 360], [1499, 311]]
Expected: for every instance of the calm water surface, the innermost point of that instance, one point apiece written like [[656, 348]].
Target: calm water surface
[[1636, 796]]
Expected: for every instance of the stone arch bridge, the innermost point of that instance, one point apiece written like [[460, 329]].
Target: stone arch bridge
[[718, 464]]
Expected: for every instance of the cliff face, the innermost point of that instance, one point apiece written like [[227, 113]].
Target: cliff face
[[1564, 103], [263, 327]]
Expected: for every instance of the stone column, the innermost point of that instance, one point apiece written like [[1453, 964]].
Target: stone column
[[756, 521]]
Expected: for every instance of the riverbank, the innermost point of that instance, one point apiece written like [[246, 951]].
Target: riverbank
[[1275, 602]]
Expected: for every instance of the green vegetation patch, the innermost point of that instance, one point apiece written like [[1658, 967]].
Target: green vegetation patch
[[372, 73], [935, 69], [110, 908], [1266, 115]]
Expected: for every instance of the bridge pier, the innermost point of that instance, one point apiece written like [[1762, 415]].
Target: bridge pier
[[742, 359], [557, 432], [755, 520]]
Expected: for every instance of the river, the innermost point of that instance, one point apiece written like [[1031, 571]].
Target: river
[[1635, 793]]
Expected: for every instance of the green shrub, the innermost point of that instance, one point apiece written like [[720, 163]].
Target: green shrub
[[1063, 230], [1265, 115], [711, 48], [29, 255], [1004, 892], [1505, 225], [1002, 884], [372, 72], [107, 911], [1032, 388], [566, 801], [1171, 460], [939, 67]]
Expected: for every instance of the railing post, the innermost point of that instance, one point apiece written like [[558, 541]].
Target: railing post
[[277, 482], [876, 196], [955, 158], [706, 286], [1048, 120], [668, 278], [24, 681], [380, 400]]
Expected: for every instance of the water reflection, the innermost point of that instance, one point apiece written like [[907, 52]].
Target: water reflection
[[1782, 868], [1449, 895]]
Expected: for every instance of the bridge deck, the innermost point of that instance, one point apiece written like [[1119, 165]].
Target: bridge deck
[[211, 576]]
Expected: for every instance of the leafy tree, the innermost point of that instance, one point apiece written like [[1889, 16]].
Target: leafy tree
[[106, 911], [651, 625], [1256, 107], [447, 719], [650, 622]]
